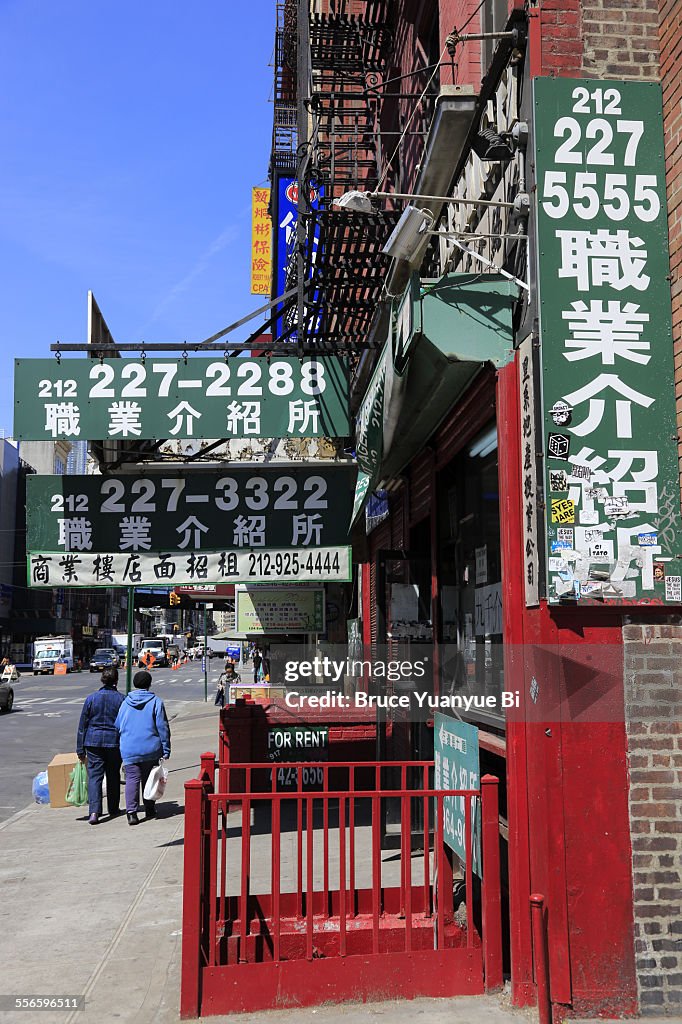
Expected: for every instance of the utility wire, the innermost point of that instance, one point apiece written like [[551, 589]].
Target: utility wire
[[410, 119], [471, 17]]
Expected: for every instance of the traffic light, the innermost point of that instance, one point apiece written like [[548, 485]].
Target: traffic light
[[174, 598]]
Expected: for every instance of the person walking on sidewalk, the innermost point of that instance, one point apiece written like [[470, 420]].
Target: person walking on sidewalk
[[257, 661], [144, 736], [97, 743], [220, 692]]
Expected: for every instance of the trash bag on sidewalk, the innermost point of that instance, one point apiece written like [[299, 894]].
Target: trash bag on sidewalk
[[40, 790], [77, 793]]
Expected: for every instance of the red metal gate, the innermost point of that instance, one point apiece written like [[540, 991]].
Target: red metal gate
[[294, 898]]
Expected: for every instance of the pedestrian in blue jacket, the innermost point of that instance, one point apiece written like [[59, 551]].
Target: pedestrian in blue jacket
[[97, 743], [144, 736]]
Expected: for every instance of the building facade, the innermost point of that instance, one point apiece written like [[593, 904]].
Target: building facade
[[500, 513]]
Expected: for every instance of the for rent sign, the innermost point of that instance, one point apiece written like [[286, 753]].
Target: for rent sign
[[611, 460]]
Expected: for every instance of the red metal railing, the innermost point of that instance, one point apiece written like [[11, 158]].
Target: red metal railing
[[305, 881]]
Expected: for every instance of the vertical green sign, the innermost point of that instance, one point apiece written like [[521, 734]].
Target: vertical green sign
[[456, 766], [610, 435]]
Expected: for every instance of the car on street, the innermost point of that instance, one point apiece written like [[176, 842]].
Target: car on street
[[6, 695], [104, 657], [198, 651]]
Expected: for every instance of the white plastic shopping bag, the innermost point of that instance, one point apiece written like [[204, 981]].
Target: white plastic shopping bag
[[156, 783]]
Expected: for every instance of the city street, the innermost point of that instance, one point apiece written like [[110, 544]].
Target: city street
[[45, 717]]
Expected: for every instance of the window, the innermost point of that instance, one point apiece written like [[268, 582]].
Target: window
[[470, 573]]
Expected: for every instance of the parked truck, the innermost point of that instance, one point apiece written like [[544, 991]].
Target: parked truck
[[48, 650], [119, 641]]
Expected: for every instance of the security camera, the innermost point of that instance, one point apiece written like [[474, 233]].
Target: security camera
[[409, 234]]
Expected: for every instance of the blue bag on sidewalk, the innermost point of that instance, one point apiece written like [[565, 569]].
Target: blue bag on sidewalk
[[40, 790]]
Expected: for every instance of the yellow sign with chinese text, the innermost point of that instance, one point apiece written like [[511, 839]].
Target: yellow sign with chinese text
[[261, 242]]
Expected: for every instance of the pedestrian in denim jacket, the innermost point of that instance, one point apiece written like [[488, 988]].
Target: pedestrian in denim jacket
[[97, 744]]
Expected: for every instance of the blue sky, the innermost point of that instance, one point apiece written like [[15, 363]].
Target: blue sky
[[131, 135]]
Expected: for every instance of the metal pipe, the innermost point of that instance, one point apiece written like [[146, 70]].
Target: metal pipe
[[539, 929], [492, 897], [441, 199]]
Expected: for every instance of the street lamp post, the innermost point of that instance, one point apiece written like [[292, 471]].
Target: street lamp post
[[129, 648], [205, 652]]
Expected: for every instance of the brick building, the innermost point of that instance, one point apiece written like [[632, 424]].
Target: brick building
[[528, 139]]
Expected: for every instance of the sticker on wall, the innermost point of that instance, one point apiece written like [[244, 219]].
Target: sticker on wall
[[646, 540], [616, 508], [673, 589], [561, 413], [659, 572], [578, 472], [565, 535], [558, 481], [563, 510], [588, 517], [555, 564], [592, 536], [593, 588], [559, 545], [558, 446], [601, 551]]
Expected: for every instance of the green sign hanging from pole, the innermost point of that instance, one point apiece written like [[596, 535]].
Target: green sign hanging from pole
[[612, 490], [145, 399]]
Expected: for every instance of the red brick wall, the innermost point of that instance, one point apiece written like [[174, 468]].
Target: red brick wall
[[653, 705], [562, 45], [456, 14]]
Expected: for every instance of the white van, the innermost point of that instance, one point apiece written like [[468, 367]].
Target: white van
[[48, 650]]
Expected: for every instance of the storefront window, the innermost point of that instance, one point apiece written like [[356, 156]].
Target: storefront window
[[470, 573]]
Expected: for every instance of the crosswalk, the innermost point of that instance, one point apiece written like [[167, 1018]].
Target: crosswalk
[[55, 707]]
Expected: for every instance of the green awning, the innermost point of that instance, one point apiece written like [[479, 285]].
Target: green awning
[[442, 333]]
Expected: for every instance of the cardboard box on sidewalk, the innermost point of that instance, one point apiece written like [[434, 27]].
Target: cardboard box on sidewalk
[[58, 775]]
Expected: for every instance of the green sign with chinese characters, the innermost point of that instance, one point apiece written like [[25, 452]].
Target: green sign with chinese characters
[[610, 436], [457, 766], [229, 509], [147, 399], [290, 610]]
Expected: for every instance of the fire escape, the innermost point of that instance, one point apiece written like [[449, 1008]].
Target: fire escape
[[350, 48], [284, 122]]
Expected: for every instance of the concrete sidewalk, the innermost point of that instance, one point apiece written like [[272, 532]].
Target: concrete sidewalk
[[97, 911]]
